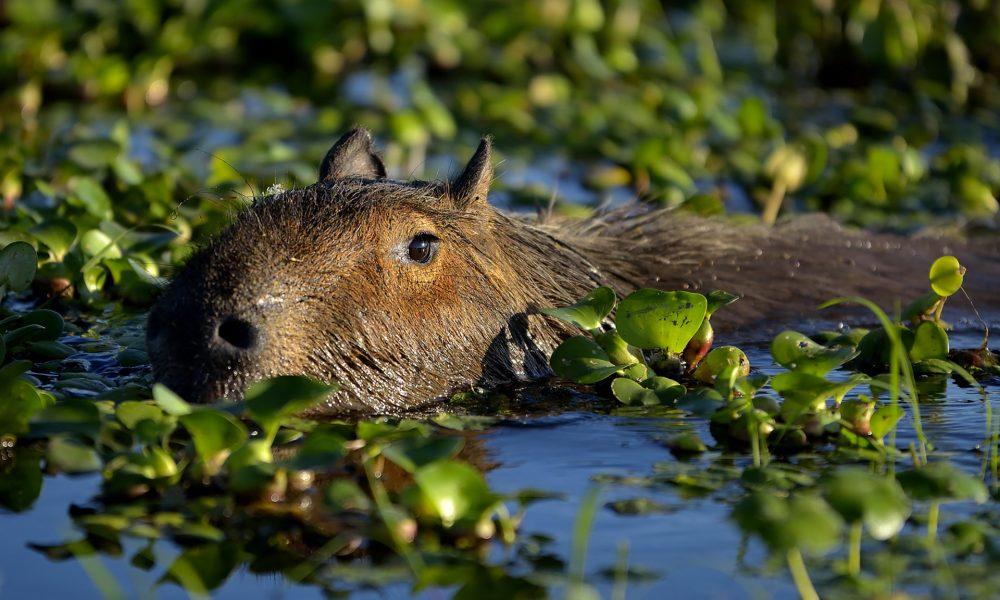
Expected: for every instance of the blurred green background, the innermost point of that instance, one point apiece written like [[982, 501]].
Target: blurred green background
[[130, 127]]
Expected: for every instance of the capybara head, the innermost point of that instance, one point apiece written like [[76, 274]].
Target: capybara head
[[398, 291]]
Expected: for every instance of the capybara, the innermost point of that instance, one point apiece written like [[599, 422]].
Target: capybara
[[405, 291]]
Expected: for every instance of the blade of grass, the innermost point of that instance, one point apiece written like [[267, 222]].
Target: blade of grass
[[900, 365], [581, 535]]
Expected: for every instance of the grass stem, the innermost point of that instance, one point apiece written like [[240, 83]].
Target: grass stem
[[800, 575], [932, 522], [854, 550]]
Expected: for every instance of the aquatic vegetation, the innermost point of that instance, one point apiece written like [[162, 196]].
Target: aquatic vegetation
[[132, 131], [301, 490], [806, 516]]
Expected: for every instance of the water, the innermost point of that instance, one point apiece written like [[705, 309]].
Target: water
[[688, 545]]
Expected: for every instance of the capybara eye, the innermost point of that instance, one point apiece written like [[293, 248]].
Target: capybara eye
[[422, 248]]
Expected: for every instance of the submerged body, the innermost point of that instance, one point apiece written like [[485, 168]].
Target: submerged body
[[404, 292]]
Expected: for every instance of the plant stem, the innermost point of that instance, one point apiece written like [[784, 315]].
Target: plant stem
[[581, 535], [773, 203], [932, 521], [800, 575], [620, 589], [854, 550], [754, 434], [386, 512], [938, 310]]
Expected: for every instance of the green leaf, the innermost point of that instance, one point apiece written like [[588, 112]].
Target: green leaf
[[724, 359], [20, 482], [414, 452], [171, 403], [58, 235], [18, 262], [19, 402], [650, 318], [274, 400], [97, 244], [929, 341], [942, 481], [716, 299], [946, 276], [653, 391], [920, 306], [875, 348], [132, 412], [94, 154], [589, 312], [797, 352], [805, 521], [884, 420], [27, 333], [215, 435], [703, 402], [203, 568], [617, 349], [804, 392], [72, 415], [686, 443], [344, 495], [86, 192], [877, 501], [71, 456], [51, 322], [323, 447], [631, 393], [455, 490], [580, 359]]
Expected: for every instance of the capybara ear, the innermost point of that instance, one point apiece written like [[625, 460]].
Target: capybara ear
[[473, 184], [352, 156]]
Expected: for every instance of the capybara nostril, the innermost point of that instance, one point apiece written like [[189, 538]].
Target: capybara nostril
[[237, 334]]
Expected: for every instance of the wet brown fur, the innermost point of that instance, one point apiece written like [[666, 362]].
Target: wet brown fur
[[320, 273]]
